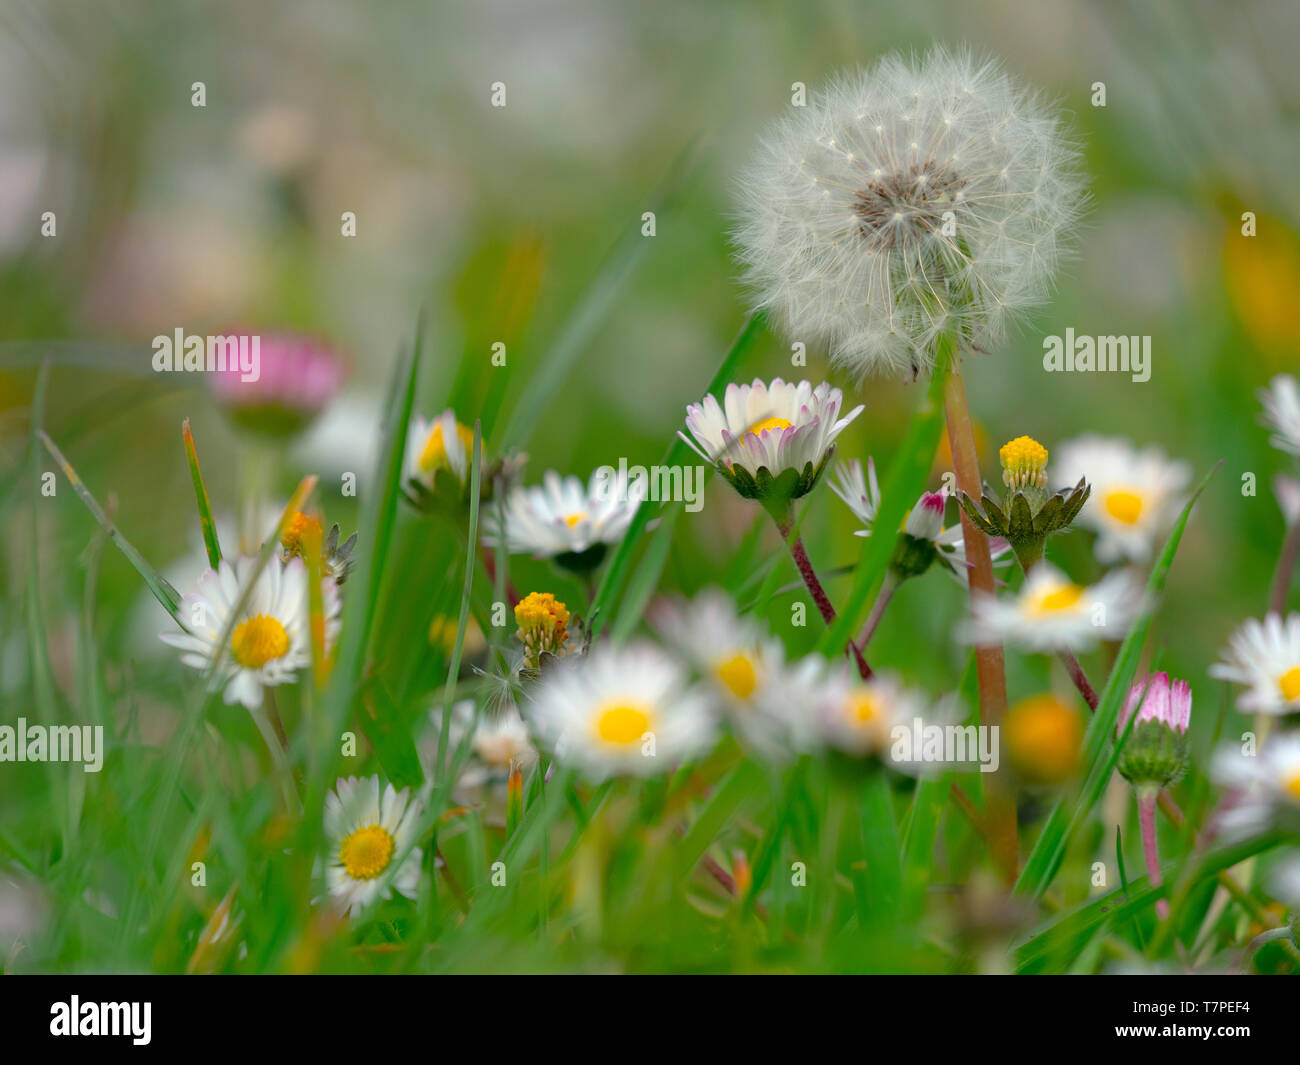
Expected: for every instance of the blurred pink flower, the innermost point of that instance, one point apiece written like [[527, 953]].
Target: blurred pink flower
[[297, 377]]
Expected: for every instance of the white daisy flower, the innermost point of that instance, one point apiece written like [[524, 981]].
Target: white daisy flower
[[562, 519], [1287, 490], [368, 835], [440, 444], [742, 663], [761, 433], [908, 201], [1051, 612], [861, 494], [1281, 402], [625, 710], [1136, 494], [1264, 656], [858, 716], [271, 640], [1267, 786], [500, 741]]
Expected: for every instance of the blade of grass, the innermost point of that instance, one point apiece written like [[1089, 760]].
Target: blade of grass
[[206, 520], [168, 596]]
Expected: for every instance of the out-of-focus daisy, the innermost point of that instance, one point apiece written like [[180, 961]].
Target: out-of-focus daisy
[[744, 665], [1287, 490], [271, 639], [565, 520], [1281, 402], [919, 198], [860, 493], [1051, 612], [368, 833], [1264, 656], [440, 444], [297, 377], [626, 710], [858, 716], [499, 742], [769, 441], [1136, 494], [1267, 786], [1284, 881]]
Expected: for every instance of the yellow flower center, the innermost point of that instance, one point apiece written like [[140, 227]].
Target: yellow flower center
[[1024, 463], [758, 428], [543, 622], [572, 519], [1289, 683], [366, 852], [863, 709], [434, 454], [1057, 600], [1123, 505], [622, 724], [258, 640], [738, 675], [1291, 784]]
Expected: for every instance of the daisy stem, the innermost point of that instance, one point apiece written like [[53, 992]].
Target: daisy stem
[[1080, 678], [1146, 798], [1285, 568], [883, 599], [989, 668], [784, 518]]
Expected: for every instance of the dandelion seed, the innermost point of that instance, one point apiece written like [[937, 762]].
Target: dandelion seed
[[945, 211]]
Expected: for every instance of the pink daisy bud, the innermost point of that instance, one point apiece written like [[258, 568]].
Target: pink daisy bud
[[1155, 754], [1166, 701], [294, 378], [925, 520]]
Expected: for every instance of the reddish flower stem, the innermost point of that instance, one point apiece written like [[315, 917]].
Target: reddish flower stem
[[1147, 819]]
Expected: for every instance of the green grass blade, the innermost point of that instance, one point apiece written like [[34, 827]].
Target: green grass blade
[[206, 520], [168, 596]]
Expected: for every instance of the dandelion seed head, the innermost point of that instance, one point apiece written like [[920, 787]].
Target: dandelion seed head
[[942, 196]]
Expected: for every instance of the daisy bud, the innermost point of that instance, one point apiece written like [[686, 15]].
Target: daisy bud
[[1027, 515], [916, 549], [542, 623], [297, 376], [1155, 755]]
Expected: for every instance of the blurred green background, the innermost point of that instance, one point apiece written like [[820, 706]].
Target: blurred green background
[[499, 222]]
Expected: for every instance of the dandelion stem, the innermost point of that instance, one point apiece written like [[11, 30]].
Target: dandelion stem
[[1285, 568], [1146, 798], [989, 668]]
